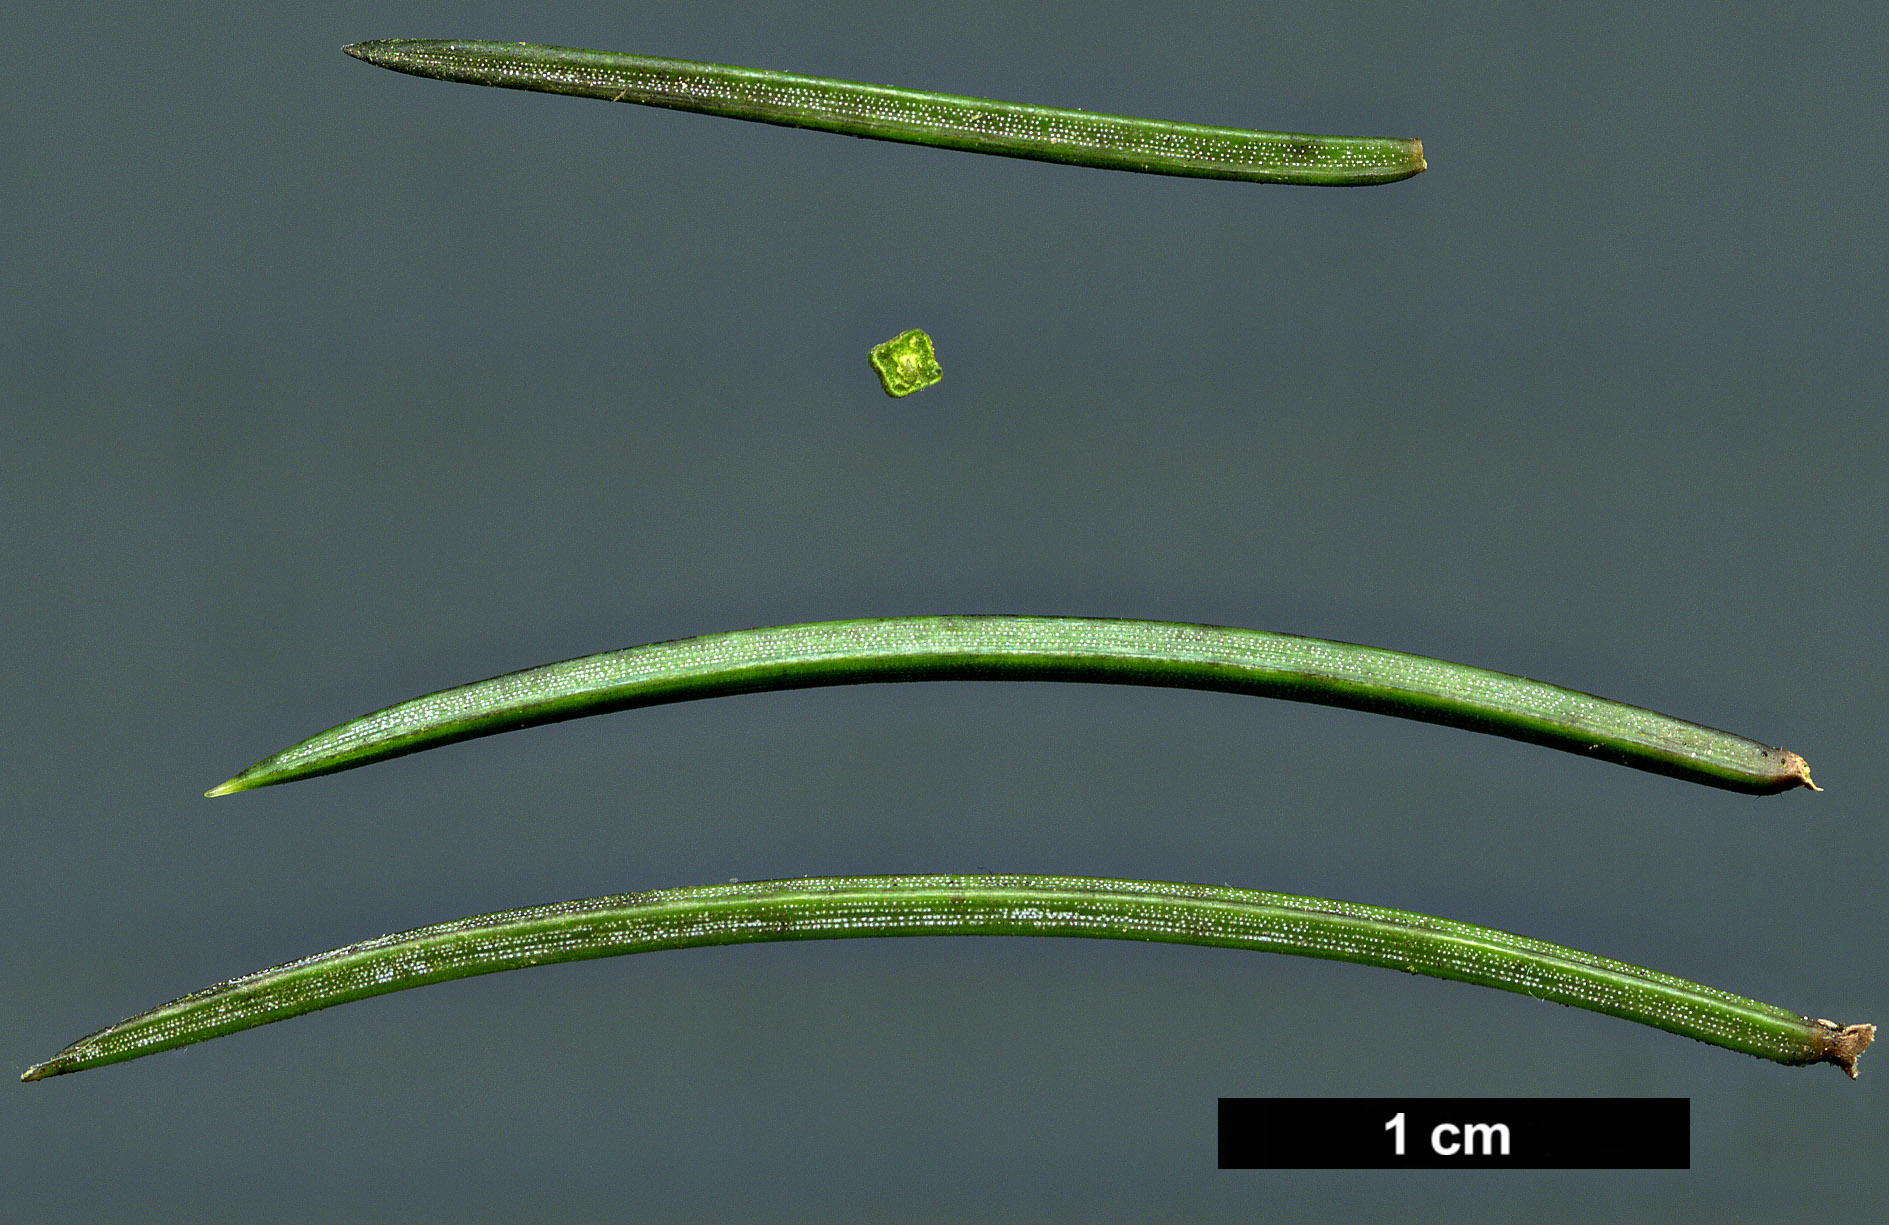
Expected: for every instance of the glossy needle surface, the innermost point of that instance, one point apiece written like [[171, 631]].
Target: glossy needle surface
[[837, 908], [995, 648], [882, 112]]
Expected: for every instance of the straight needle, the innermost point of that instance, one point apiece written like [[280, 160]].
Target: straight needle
[[882, 112]]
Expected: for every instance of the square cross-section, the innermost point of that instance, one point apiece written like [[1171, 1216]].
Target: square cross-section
[[906, 363]]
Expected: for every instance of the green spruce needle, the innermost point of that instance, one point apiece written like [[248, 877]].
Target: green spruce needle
[[881, 112], [994, 648], [839, 908]]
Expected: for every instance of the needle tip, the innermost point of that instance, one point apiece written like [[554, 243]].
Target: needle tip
[[368, 52], [227, 788]]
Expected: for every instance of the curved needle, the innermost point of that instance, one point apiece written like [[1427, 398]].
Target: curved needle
[[1046, 648], [838, 908]]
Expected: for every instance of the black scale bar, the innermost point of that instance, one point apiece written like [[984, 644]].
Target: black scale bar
[[1431, 1133]]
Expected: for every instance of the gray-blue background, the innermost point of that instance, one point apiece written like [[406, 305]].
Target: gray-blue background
[[324, 387]]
